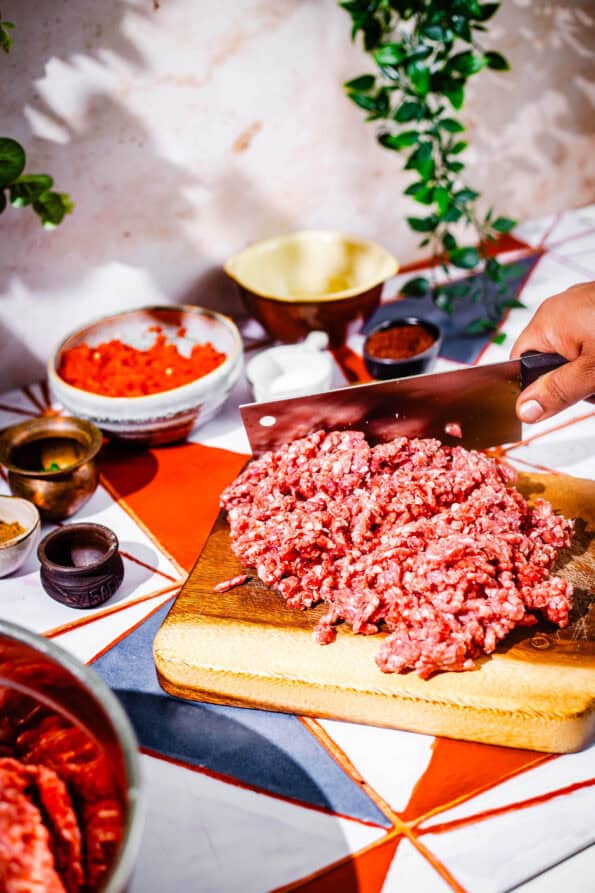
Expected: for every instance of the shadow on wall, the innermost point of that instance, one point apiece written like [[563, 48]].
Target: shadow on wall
[[102, 161], [548, 94]]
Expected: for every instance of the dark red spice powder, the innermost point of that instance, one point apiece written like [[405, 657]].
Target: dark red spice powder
[[115, 369], [399, 342]]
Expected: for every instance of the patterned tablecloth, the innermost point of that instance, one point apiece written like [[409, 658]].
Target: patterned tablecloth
[[245, 800]]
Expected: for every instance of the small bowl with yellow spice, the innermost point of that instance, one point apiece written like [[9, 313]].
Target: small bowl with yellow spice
[[19, 532], [313, 280]]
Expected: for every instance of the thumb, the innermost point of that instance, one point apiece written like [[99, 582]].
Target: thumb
[[556, 391]]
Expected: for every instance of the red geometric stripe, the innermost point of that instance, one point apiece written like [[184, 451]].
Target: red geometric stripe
[[509, 807], [459, 770], [174, 491]]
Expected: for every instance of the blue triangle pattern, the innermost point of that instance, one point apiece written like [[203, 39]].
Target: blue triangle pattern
[[270, 751]]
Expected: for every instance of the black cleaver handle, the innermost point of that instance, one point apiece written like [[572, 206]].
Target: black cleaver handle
[[534, 365]]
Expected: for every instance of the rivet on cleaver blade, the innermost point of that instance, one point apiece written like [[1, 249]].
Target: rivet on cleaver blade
[[481, 400]]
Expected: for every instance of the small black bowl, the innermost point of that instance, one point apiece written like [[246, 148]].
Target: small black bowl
[[80, 564], [384, 368]]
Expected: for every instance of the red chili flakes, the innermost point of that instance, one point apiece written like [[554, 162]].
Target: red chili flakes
[[115, 369], [399, 342]]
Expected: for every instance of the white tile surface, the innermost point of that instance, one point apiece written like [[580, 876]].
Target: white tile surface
[[410, 870], [502, 852], [391, 761], [203, 834]]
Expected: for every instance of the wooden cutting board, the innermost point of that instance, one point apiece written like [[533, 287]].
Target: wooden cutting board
[[246, 648]]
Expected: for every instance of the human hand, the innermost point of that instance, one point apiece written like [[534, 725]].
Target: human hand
[[564, 324]]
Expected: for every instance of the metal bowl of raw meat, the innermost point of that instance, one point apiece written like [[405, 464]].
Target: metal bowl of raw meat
[[69, 771]]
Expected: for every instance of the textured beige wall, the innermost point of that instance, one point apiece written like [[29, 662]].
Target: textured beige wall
[[187, 128]]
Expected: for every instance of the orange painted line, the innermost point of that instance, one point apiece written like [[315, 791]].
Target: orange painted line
[[481, 789], [126, 632], [567, 239], [149, 567], [332, 866], [400, 826], [551, 228], [537, 466], [570, 262], [348, 767], [575, 421], [509, 807], [5, 408], [45, 391], [132, 514], [237, 783], [29, 393], [115, 609]]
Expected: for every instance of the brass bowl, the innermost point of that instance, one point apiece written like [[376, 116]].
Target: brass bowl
[[311, 280], [51, 462]]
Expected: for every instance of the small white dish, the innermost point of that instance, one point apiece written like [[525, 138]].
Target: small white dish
[[15, 552], [293, 370]]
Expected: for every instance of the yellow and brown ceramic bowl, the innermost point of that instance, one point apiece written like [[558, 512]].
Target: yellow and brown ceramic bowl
[[311, 280]]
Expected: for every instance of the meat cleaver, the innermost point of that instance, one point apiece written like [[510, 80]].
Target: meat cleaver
[[481, 400]]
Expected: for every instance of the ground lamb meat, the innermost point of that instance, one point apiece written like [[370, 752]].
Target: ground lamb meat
[[424, 541]]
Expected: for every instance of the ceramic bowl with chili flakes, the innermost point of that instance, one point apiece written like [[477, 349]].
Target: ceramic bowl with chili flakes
[[70, 794], [401, 347], [149, 376]]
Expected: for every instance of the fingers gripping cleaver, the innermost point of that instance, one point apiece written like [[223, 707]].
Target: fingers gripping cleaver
[[481, 400]]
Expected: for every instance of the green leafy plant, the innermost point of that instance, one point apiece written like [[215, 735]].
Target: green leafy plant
[[424, 52], [22, 190]]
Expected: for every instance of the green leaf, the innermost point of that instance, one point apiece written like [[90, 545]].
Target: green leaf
[[466, 195], [409, 111], [424, 242], [452, 214], [466, 258], [444, 301], [369, 103], [468, 63], [458, 147], [5, 37], [503, 224], [12, 160], [421, 160], [497, 61], [398, 141], [416, 288], [51, 208], [423, 224], [451, 125], [480, 327], [361, 84], [455, 95], [421, 192], [441, 197], [461, 27], [499, 338], [390, 54], [438, 33], [514, 304], [419, 75], [455, 166], [449, 242], [494, 269], [487, 10], [27, 188]]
